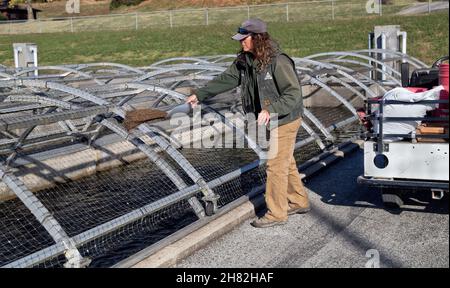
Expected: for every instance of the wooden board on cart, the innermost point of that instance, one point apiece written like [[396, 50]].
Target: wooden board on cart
[[427, 129]]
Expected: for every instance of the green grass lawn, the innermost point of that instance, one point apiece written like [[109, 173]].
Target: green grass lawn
[[294, 12], [158, 5], [427, 40]]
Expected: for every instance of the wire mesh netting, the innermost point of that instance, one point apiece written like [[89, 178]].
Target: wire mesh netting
[[21, 233], [77, 185], [109, 249]]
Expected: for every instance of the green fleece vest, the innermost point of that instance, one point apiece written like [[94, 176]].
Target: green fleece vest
[[267, 91]]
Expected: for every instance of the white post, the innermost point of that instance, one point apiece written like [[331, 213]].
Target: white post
[[381, 8], [170, 19], [404, 36], [429, 6], [16, 57], [71, 24], [383, 55], [206, 16], [287, 12], [248, 12], [35, 60], [137, 25], [332, 9], [370, 54], [370, 39]]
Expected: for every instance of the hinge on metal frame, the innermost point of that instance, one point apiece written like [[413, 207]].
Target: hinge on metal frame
[[385, 147]]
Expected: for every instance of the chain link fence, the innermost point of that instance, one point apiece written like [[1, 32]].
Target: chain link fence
[[283, 12]]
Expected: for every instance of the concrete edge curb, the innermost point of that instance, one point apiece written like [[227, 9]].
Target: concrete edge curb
[[169, 254], [172, 254]]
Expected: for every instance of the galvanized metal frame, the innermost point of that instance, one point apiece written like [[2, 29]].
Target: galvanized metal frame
[[206, 68]]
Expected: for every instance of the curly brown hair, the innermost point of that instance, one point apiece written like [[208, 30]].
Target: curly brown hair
[[264, 49]]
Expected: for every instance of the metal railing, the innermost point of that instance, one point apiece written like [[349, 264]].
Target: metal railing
[[380, 119], [281, 12]]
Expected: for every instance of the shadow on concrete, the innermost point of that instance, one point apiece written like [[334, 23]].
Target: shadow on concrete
[[337, 185]]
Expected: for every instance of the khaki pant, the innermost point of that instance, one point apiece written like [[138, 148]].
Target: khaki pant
[[284, 188]]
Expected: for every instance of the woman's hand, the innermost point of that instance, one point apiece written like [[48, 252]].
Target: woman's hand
[[192, 100], [263, 117]]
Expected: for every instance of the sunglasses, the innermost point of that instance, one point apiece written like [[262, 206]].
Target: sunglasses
[[243, 31]]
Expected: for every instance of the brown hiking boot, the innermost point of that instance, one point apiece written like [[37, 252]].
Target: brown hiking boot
[[264, 222], [299, 210]]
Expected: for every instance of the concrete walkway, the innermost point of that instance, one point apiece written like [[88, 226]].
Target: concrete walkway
[[346, 222], [422, 8]]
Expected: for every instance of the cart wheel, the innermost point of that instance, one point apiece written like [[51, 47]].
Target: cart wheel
[[209, 208], [392, 198]]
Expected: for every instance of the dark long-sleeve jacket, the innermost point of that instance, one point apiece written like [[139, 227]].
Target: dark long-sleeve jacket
[[275, 89]]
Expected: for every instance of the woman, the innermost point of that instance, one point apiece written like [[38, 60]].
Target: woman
[[270, 89]]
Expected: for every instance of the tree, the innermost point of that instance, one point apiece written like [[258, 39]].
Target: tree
[[28, 4]]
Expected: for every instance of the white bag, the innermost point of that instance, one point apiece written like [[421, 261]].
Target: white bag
[[399, 110]]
